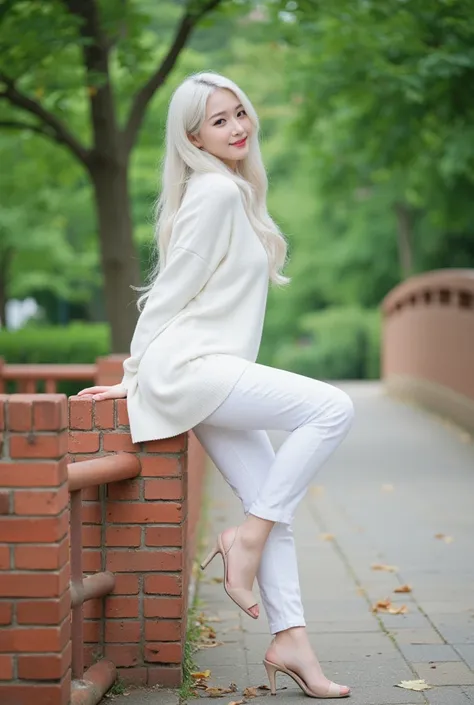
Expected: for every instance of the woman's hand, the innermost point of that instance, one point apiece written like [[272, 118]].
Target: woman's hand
[[117, 391]]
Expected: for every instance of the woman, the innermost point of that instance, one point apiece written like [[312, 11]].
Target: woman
[[192, 363]]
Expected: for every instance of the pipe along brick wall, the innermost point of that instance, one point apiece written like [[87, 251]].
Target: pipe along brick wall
[[138, 529]]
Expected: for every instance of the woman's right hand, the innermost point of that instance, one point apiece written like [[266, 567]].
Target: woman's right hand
[[117, 391]]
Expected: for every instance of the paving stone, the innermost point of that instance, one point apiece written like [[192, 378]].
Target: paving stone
[[416, 636], [467, 653], [144, 696], [445, 673], [429, 652], [447, 695]]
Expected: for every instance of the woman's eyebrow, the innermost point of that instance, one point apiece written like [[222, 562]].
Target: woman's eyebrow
[[223, 112]]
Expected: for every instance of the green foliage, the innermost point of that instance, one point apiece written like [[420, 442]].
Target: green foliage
[[337, 343]]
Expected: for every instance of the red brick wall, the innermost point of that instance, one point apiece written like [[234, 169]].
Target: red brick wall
[[143, 530], [35, 649]]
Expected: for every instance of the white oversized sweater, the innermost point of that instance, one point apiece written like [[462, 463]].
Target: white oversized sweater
[[202, 323]]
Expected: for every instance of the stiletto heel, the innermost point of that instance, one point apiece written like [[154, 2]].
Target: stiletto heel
[[271, 673], [242, 597], [209, 558], [334, 690]]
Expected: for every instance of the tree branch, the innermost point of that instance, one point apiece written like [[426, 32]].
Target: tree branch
[[147, 91], [18, 125], [59, 133]]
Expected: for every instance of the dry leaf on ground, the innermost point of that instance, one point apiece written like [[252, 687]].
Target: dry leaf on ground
[[316, 490], [414, 685], [197, 675], [217, 580], [263, 687], [387, 607], [210, 644], [443, 537], [326, 537], [236, 702], [387, 488], [403, 588], [250, 692], [214, 692], [383, 566]]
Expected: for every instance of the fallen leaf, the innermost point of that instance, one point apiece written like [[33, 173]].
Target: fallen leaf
[[214, 692], [209, 645], [443, 537], [214, 619], [217, 580], [387, 488], [326, 537], [382, 566], [236, 702], [403, 609], [197, 675], [382, 605], [250, 692], [263, 687], [403, 588], [414, 685], [316, 490]]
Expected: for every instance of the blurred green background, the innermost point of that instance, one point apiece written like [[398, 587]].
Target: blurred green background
[[367, 115]]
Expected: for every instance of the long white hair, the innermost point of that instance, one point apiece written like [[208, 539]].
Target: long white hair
[[186, 114]]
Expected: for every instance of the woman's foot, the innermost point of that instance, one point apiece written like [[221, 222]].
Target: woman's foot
[[243, 558], [291, 648]]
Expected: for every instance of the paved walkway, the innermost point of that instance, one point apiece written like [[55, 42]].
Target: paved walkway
[[400, 478]]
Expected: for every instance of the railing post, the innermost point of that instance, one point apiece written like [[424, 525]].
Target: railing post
[[109, 369], [35, 653]]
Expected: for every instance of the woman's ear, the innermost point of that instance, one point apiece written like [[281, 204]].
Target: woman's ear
[[195, 141]]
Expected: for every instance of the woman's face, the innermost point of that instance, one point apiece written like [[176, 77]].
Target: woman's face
[[226, 123]]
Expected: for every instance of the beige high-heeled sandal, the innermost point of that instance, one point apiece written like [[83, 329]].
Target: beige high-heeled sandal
[[242, 597], [271, 668]]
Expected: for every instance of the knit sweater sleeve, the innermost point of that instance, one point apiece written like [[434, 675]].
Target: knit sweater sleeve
[[199, 241]]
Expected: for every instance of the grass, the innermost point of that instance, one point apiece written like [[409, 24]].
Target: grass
[[189, 665]]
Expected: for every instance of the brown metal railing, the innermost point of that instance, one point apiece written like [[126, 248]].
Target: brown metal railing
[[27, 376], [88, 473]]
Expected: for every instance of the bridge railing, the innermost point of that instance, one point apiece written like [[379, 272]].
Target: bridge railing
[[428, 342]]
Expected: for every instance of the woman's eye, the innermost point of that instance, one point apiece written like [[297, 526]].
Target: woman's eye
[[221, 119]]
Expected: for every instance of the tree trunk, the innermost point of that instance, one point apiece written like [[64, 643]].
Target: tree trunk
[[119, 260], [6, 257], [404, 239]]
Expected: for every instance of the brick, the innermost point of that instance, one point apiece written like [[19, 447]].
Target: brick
[[114, 442], [126, 584], [35, 639], [122, 631], [144, 513], [164, 489], [91, 536], [3, 402], [33, 557], [80, 414], [90, 494], [6, 612], [104, 414], [163, 584], [34, 584], [5, 503], [166, 676], [122, 607], [163, 630], [92, 632], [91, 513], [38, 693], [50, 667], [123, 535], [4, 557], [40, 474], [6, 668], [154, 466], [143, 561], [177, 444], [92, 609], [41, 502], [20, 412], [163, 652], [92, 561], [39, 446], [50, 413], [123, 654], [163, 607], [122, 412], [164, 536], [26, 530], [83, 442], [127, 490], [43, 611], [136, 676]]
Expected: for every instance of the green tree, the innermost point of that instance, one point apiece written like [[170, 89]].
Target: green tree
[[83, 74]]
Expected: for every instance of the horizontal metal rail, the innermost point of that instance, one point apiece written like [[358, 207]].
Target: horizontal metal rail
[[101, 471]]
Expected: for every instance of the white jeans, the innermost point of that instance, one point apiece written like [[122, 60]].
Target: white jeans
[[271, 485]]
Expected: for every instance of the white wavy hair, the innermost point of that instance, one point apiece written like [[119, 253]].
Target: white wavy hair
[[186, 114]]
